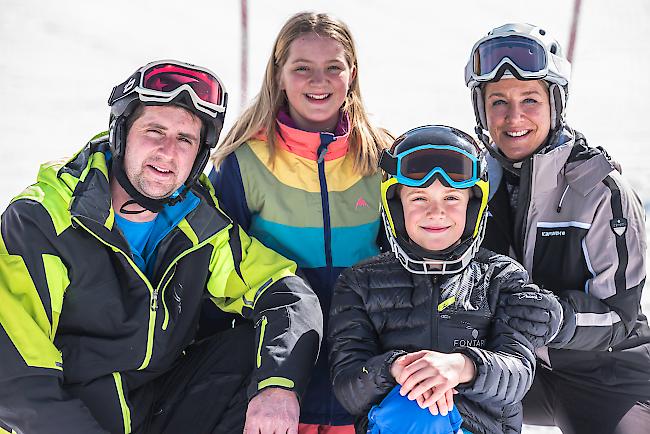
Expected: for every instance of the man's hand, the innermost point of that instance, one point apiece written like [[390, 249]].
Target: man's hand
[[273, 411], [536, 315]]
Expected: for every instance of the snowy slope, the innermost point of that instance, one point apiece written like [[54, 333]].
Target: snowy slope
[[60, 59]]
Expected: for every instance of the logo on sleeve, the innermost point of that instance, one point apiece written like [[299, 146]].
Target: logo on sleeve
[[618, 225]]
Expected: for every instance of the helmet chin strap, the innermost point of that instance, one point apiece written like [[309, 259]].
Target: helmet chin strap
[[511, 166], [147, 203]]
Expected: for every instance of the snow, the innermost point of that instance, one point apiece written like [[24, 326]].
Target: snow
[[59, 61]]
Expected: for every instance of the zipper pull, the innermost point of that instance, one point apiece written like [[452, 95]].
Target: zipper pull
[[260, 321], [325, 140], [154, 300]]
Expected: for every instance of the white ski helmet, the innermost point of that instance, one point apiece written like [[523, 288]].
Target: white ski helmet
[[525, 52]]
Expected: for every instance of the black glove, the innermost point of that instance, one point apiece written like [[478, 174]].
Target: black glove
[[537, 315]]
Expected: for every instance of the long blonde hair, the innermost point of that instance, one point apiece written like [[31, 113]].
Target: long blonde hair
[[366, 141]]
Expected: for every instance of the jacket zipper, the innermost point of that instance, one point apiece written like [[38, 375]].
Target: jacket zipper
[[326, 139], [261, 326], [435, 297], [153, 291], [523, 206]]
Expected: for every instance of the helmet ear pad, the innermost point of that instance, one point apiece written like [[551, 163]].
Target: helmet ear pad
[[396, 212], [117, 130], [557, 99], [472, 214], [116, 135], [479, 106]]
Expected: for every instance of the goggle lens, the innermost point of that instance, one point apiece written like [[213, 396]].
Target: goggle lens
[[169, 77], [525, 53], [418, 165]]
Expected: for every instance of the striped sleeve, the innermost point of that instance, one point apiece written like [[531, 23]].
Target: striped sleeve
[[258, 283], [615, 252], [229, 189]]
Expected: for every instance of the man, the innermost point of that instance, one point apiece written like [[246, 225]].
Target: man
[[104, 263]]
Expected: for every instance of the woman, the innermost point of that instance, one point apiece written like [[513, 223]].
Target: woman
[[561, 208]]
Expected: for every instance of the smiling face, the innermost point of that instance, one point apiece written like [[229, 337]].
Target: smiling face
[[434, 216], [161, 147], [518, 115], [316, 77]]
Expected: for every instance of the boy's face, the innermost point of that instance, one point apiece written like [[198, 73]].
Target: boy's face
[[434, 216]]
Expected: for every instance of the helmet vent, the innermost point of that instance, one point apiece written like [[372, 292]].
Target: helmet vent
[[553, 49], [542, 32]]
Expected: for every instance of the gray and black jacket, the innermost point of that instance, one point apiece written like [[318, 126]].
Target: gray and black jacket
[[579, 230], [380, 311]]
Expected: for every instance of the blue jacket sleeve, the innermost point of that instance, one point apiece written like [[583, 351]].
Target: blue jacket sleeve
[[229, 189]]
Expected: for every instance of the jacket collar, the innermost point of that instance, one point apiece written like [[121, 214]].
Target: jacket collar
[[305, 144], [582, 166]]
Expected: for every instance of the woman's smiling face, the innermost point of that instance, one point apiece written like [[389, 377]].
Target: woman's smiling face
[[518, 115]]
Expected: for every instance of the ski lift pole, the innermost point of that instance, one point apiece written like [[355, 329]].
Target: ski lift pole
[[574, 29], [244, 54]]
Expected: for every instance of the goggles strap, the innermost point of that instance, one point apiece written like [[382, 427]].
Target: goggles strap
[[388, 163]]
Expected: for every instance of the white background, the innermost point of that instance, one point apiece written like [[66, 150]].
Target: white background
[[60, 59]]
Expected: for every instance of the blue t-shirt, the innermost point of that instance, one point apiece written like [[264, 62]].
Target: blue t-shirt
[[137, 234], [144, 237]]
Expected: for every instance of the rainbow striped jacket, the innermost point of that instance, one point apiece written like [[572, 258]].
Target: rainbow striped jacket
[[310, 206]]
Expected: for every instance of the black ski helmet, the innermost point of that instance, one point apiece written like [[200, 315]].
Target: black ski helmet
[[164, 82], [448, 140]]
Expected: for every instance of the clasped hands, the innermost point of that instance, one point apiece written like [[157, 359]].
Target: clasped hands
[[429, 377]]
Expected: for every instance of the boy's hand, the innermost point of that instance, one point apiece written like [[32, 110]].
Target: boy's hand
[[443, 406], [425, 372]]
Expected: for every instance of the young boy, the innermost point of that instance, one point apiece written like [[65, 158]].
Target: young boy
[[424, 316]]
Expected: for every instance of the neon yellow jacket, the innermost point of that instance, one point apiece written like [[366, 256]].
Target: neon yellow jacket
[[82, 325]]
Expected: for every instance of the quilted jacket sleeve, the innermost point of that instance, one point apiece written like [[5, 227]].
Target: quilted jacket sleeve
[[359, 370]]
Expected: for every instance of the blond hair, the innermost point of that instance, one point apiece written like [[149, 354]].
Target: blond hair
[[366, 141]]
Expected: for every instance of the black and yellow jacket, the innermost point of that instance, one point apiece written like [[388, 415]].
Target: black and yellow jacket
[[82, 326]]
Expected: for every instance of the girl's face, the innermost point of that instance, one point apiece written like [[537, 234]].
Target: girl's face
[[316, 78], [434, 216], [518, 115]]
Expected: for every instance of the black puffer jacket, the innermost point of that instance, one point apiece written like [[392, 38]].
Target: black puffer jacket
[[380, 311]]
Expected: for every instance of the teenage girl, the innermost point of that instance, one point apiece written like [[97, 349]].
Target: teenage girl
[[299, 171]]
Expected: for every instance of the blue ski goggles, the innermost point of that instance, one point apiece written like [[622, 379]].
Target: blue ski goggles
[[417, 166], [525, 56]]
